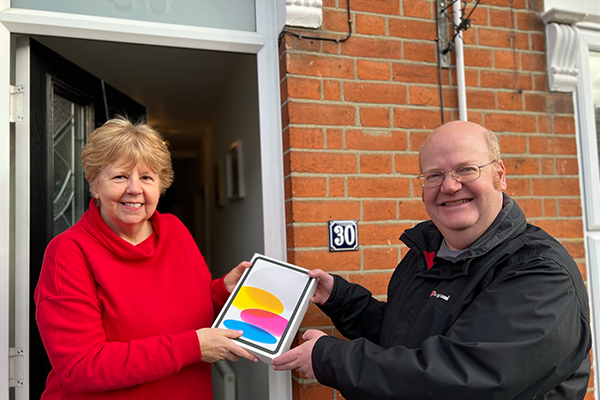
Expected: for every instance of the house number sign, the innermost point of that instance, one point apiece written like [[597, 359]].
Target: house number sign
[[343, 235]]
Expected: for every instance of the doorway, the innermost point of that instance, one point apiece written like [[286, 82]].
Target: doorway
[[202, 102]]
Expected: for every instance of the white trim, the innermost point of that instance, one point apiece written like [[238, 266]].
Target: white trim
[[22, 226], [304, 13], [34, 22], [4, 207], [562, 43], [271, 145]]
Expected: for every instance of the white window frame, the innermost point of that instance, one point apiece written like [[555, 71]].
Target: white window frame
[[589, 176], [263, 43]]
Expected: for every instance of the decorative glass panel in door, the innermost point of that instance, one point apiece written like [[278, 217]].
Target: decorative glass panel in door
[[68, 129]]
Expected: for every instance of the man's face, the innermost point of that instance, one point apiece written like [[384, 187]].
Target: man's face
[[462, 211]]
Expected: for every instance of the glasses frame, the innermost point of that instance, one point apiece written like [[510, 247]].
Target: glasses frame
[[453, 171]]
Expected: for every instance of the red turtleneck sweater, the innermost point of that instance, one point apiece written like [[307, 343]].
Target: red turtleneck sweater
[[118, 321]]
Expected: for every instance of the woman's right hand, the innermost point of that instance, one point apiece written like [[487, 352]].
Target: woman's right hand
[[216, 345], [324, 286]]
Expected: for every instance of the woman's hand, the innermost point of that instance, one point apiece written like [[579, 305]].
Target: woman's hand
[[232, 278], [324, 286], [216, 345]]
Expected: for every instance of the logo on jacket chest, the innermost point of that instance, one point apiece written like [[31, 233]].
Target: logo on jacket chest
[[437, 295]]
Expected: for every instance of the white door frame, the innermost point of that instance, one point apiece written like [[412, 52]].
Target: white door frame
[[589, 177], [263, 43]]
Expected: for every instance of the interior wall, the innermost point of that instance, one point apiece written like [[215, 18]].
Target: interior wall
[[236, 228]]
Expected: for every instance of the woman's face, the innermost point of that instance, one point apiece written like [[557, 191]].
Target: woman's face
[[128, 197]]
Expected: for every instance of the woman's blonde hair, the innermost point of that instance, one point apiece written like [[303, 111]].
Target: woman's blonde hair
[[137, 143]]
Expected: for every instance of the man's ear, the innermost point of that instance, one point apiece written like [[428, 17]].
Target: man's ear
[[501, 170]]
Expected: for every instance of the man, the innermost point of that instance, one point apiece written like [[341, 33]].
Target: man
[[483, 306]]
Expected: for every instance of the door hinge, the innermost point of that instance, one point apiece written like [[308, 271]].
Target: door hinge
[[17, 367], [17, 103]]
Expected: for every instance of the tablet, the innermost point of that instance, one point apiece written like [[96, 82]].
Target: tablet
[[268, 305]]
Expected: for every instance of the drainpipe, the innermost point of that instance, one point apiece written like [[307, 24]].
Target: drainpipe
[[460, 64]]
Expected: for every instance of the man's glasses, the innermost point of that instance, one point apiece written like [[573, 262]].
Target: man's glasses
[[462, 173]]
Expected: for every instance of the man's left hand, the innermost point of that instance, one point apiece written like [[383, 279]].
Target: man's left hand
[[299, 357]]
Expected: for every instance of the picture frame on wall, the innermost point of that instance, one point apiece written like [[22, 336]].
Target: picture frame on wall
[[234, 166]]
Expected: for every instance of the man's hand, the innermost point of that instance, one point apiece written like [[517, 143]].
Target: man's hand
[[324, 286], [232, 278], [299, 357], [216, 345]]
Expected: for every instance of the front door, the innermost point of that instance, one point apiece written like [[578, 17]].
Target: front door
[[66, 105]]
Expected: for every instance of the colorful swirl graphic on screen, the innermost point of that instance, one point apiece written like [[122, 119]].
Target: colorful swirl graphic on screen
[[260, 315]]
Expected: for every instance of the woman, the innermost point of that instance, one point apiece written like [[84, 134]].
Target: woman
[[124, 297]]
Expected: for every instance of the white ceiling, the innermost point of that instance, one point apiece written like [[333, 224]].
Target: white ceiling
[[179, 87]]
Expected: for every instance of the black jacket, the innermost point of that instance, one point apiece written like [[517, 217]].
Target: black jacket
[[507, 319]]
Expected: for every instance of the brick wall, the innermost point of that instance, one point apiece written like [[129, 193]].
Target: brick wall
[[356, 112]]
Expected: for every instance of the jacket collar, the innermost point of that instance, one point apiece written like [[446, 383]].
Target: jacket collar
[[426, 239]]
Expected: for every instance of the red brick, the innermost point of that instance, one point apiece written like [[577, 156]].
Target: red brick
[[380, 258], [555, 186], [292, 42], [548, 166], [315, 317], [419, 51], [481, 99], [376, 140], [328, 261], [552, 145], [418, 8], [417, 73], [372, 70], [510, 101], [412, 210], [538, 42], [375, 117], [375, 163], [335, 20], [378, 187], [502, 38], [533, 62], [379, 210], [337, 187], [477, 57], [412, 29], [367, 24], [562, 228], [550, 208], [372, 48], [303, 88], [335, 138], [576, 249], [506, 59], [388, 7], [529, 21], [544, 124], [372, 234], [569, 207], [311, 391], [312, 65], [511, 144], [322, 162], [379, 93], [540, 82], [501, 18], [531, 207], [510, 122], [303, 186], [567, 166], [424, 95], [332, 90], [305, 138], [321, 114], [417, 118], [518, 186], [321, 211], [309, 236], [416, 141], [549, 103], [522, 166], [285, 116], [506, 80], [283, 90], [564, 125], [375, 282], [407, 164]]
